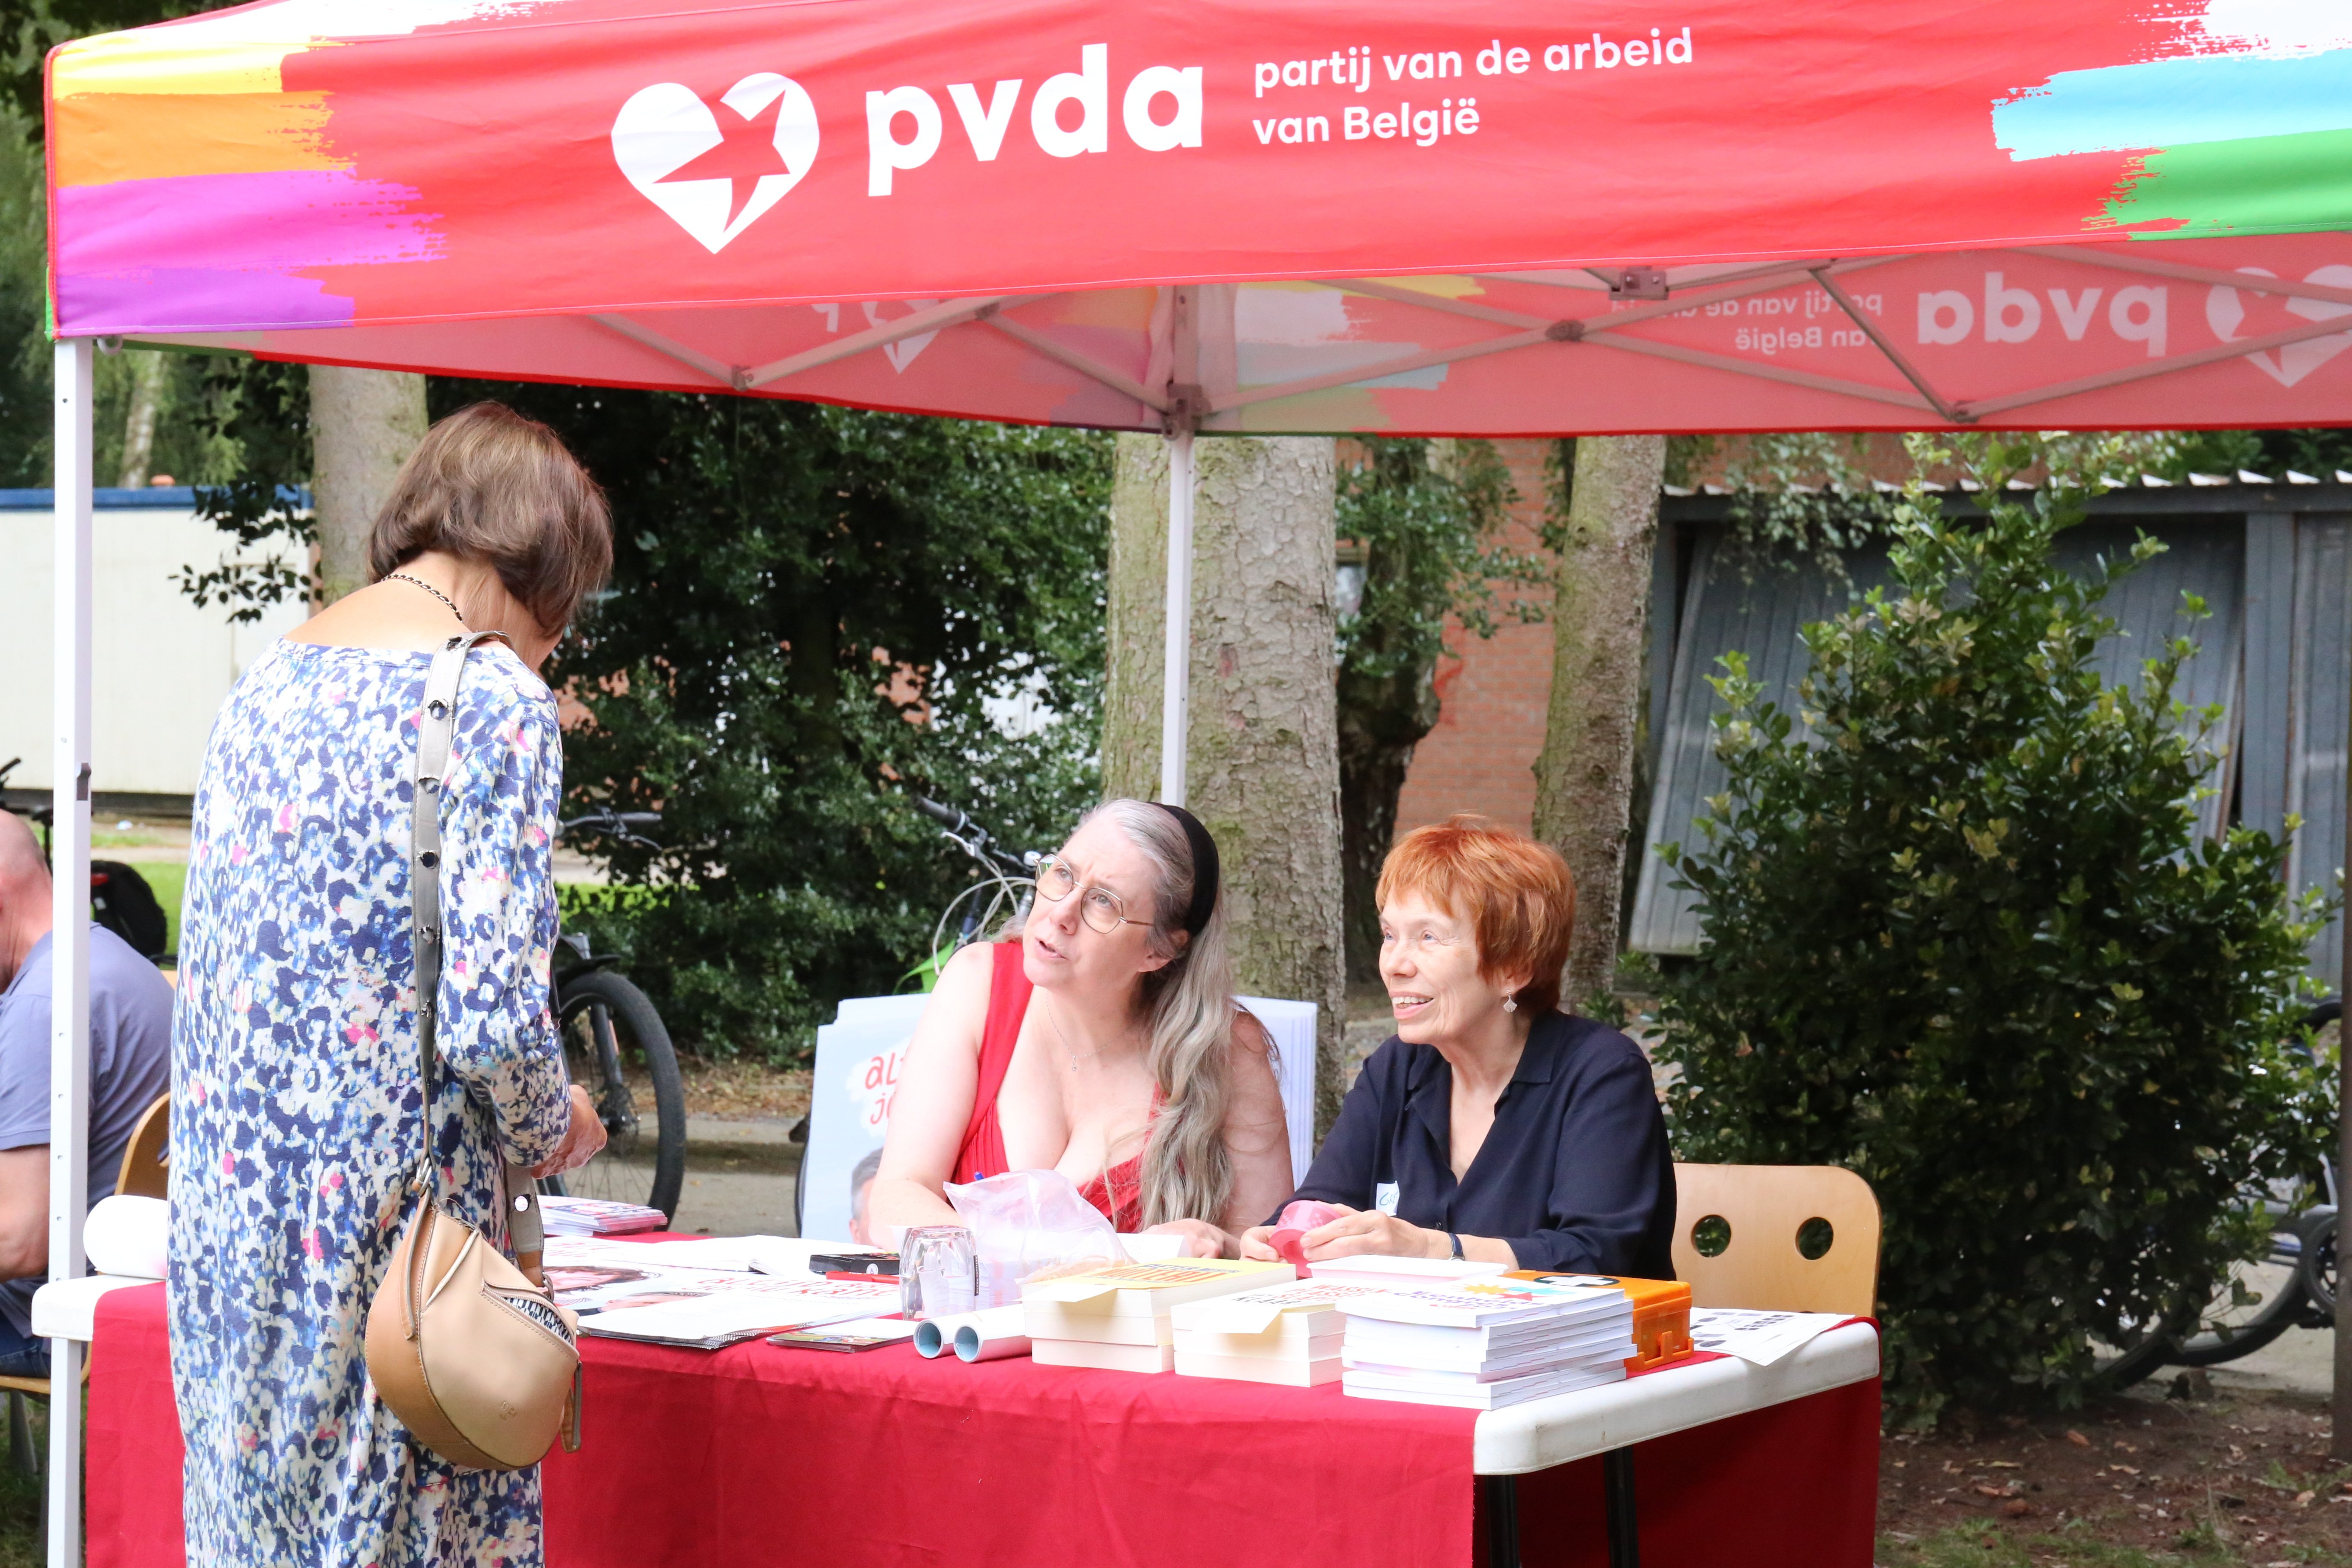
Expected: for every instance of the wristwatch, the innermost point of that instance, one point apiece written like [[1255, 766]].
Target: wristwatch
[[1457, 1244]]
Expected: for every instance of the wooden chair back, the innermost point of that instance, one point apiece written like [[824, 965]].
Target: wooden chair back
[[146, 1158], [1789, 1238]]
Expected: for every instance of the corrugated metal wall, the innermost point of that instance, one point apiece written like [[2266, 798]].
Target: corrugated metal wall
[[2319, 655], [1722, 611]]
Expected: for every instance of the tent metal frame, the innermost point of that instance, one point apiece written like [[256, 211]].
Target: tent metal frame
[[69, 936], [1532, 331], [1186, 409]]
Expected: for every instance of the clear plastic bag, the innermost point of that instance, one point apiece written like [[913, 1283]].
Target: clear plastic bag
[[1025, 1221]]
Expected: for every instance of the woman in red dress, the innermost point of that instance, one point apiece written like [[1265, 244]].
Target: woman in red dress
[[1104, 1042]]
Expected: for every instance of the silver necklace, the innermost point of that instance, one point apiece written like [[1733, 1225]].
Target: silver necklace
[[405, 577], [1075, 1057]]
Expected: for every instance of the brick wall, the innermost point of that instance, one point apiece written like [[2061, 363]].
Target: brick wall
[[1493, 693]]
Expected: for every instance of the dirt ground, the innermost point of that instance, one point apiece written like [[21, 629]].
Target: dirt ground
[[2146, 1478], [744, 1091]]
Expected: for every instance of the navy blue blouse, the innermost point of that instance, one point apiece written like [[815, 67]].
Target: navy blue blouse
[[1575, 1173]]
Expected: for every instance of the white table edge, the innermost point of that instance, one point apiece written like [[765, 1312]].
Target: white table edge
[[67, 1309], [1567, 1426]]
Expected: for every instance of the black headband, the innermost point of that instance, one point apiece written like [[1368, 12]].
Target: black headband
[[1205, 868]]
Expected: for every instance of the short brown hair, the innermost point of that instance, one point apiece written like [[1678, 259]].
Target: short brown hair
[[486, 484], [1517, 895]]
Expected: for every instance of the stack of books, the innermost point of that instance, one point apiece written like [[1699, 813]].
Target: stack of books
[[598, 1216], [1485, 1343], [1283, 1333], [1401, 1273], [1116, 1315]]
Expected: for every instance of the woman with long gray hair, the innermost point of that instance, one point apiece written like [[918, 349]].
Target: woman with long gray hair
[[1104, 1042]]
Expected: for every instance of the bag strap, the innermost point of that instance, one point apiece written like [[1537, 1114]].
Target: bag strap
[[436, 730]]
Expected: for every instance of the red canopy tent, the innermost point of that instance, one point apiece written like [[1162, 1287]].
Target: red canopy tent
[[1283, 215]]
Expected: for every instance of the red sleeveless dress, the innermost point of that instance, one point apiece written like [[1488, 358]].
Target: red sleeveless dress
[[1118, 1192]]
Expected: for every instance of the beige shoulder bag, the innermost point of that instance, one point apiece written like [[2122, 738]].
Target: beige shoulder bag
[[471, 1352]]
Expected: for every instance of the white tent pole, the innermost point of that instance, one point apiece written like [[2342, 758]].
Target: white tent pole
[[1177, 660], [69, 942]]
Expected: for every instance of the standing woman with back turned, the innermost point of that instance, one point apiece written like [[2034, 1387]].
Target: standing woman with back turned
[[295, 1096]]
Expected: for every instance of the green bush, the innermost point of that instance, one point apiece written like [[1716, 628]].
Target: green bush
[[1963, 939], [815, 612]]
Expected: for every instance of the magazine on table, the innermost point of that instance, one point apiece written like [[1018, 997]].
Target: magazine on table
[[596, 1216], [724, 1317], [592, 1277], [857, 1334], [784, 1256]]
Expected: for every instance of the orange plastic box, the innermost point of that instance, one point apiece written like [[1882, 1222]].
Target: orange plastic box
[[1661, 1314]]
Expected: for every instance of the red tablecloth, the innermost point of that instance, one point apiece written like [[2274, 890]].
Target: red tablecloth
[[756, 1455]]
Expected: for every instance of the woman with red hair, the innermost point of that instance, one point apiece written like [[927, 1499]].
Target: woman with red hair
[[1491, 1126]]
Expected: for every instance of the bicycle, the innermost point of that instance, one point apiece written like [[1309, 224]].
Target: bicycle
[[608, 1027], [2266, 1295], [2262, 1297], [1006, 880]]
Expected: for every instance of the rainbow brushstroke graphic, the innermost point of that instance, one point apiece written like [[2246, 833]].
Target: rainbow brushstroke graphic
[[183, 142], [2249, 132]]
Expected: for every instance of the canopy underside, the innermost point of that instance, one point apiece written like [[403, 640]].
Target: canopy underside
[[2239, 331]]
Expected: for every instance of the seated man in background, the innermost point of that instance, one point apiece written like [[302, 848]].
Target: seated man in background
[[129, 1069]]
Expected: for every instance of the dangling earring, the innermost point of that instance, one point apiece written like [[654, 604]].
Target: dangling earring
[[1511, 1003]]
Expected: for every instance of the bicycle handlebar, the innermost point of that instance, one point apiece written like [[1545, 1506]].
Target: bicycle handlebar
[[621, 824], [970, 836], [947, 817]]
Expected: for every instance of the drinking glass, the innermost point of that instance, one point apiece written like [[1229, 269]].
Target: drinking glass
[[936, 1271]]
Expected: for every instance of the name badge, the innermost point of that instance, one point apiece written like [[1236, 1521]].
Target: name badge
[[1384, 1198]]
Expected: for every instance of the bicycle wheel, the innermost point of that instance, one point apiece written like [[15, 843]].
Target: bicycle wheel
[[2145, 1347], [608, 1023], [2141, 1345], [2317, 1267], [2260, 1301], [2264, 1295]]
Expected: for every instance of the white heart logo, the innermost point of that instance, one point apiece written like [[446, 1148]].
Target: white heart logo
[[2225, 312], [714, 182], [901, 354]]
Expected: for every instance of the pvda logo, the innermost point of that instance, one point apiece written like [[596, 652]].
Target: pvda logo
[[716, 173]]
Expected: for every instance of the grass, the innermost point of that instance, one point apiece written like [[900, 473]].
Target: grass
[[576, 898], [21, 1545]]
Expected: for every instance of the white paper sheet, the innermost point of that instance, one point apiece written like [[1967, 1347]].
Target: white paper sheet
[[1758, 1338]]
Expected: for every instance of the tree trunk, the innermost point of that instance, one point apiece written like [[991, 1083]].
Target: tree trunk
[[1381, 719], [1262, 760], [146, 367], [1584, 778], [1136, 624], [364, 425]]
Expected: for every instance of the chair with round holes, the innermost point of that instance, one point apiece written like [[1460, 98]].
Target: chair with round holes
[[147, 1157], [1788, 1239]]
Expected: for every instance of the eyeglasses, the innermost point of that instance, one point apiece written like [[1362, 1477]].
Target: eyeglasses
[[1102, 909]]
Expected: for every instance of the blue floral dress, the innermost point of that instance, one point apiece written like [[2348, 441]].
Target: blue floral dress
[[295, 1101]]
